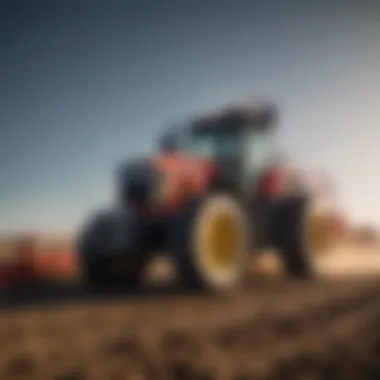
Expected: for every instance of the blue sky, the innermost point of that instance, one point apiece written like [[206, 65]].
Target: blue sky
[[84, 84]]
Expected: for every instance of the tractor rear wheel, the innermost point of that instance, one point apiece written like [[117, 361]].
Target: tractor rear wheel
[[301, 232], [210, 243], [297, 260], [292, 236], [310, 237]]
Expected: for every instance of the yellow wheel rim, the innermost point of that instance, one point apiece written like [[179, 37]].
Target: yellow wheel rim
[[220, 240]]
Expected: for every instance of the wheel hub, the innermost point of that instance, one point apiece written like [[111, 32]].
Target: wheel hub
[[221, 242]]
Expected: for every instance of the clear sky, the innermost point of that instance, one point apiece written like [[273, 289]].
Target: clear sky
[[86, 83]]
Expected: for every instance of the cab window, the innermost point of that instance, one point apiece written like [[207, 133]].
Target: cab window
[[215, 144], [258, 151]]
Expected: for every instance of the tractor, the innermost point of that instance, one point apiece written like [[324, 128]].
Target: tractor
[[212, 194]]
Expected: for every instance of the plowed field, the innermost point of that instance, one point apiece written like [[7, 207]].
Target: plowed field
[[273, 329]]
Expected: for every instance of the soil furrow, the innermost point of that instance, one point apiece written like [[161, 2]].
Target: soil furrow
[[321, 330]]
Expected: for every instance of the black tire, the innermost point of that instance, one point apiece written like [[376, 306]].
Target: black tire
[[97, 252], [179, 240], [95, 275], [190, 271], [290, 237], [296, 258], [98, 276]]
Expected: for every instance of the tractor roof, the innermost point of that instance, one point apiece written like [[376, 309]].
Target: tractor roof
[[236, 117], [228, 118]]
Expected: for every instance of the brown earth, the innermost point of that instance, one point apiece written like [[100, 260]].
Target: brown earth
[[272, 329]]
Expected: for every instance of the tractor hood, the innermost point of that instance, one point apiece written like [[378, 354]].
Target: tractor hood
[[163, 179], [183, 175]]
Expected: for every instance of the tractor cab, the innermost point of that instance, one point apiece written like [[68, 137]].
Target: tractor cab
[[240, 141]]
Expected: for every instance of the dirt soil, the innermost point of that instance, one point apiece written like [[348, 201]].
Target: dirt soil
[[272, 329]]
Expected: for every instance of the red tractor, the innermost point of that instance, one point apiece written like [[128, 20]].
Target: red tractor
[[210, 195]]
